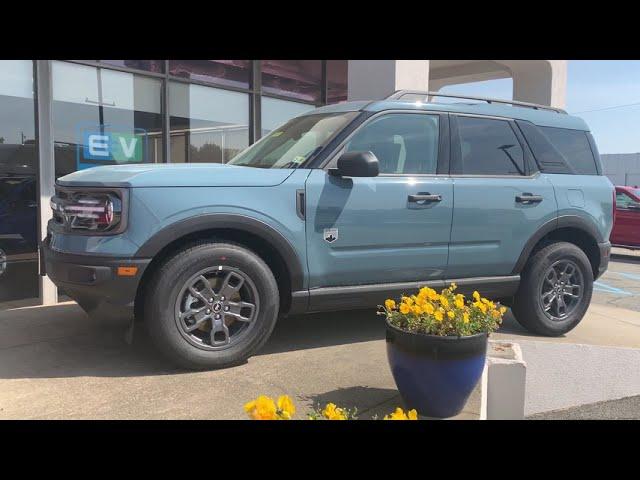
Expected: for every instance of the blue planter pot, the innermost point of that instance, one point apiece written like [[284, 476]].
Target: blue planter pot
[[435, 375]]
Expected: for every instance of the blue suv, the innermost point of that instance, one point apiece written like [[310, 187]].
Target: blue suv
[[340, 208]]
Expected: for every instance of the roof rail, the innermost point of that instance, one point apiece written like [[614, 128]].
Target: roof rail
[[398, 94]]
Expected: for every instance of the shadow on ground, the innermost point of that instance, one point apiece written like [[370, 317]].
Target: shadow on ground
[[366, 400], [61, 341]]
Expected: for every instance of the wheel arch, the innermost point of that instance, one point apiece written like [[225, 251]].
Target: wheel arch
[[570, 228], [268, 243]]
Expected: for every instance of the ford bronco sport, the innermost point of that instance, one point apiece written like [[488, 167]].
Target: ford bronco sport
[[340, 208]]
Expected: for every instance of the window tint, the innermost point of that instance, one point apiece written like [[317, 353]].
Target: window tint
[[574, 147], [623, 200], [403, 143], [489, 147]]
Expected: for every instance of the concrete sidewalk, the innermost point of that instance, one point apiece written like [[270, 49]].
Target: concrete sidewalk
[[55, 364]]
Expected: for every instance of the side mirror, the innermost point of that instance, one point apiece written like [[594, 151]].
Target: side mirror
[[356, 164]]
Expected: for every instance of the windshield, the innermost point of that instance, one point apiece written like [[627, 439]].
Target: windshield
[[294, 142]]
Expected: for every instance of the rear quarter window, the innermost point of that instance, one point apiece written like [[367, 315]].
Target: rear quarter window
[[574, 147]]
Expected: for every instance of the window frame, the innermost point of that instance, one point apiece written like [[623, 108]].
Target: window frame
[[442, 162], [456, 166], [618, 206]]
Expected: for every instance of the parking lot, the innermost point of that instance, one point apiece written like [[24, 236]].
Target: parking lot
[[55, 364]]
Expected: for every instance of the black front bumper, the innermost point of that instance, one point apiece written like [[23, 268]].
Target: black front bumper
[[93, 282], [605, 254]]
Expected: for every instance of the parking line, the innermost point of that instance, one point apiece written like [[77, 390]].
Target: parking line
[[628, 275], [603, 287]]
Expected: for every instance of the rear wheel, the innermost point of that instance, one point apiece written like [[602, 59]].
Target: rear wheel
[[555, 290], [211, 305]]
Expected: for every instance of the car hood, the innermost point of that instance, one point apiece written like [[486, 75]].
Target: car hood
[[176, 175]]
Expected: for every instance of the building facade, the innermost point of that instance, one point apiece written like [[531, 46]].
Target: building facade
[[57, 117], [622, 168]]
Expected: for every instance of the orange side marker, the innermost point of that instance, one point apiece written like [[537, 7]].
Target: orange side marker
[[127, 271]]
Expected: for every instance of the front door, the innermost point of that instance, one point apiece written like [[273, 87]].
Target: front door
[[385, 229]]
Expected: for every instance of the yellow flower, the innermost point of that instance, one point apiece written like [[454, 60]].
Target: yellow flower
[[444, 302], [407, 300], [459, 301], [400, 415], [438, 315], [450, 314], [286, 407], [453, 286], [496, 314], [390, 304], [503, 310], [465, 317], [262, 408], [428, 308], [417, 309], [331, 412], [476, 296], [481, 306], [404, 308]]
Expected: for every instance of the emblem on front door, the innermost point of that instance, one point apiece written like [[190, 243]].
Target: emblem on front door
[[330, 235]]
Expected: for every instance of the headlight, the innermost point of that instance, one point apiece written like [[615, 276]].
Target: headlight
[[88, 211]]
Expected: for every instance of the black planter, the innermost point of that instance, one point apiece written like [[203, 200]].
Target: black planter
[[435, 375]]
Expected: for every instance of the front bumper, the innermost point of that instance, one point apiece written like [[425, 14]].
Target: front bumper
[[605, 254], [93, 282]]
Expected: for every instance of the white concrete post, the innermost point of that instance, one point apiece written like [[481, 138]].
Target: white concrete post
[[377, 79], [46, 170], [539, 81], [503, 383]]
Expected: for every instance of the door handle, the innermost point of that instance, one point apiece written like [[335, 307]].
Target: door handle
[[424, 198], [528, 198]]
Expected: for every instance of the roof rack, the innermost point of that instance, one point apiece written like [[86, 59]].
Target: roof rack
[[397, 95]]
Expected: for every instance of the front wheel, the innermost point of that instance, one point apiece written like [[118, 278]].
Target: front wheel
[[211, 305], [555, 290]]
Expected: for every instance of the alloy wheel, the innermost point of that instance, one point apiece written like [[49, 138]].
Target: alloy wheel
[[216, 307]]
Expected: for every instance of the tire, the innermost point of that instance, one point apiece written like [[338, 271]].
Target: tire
[[533, 292], [169, 303]]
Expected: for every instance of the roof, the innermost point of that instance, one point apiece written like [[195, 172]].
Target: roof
[[543, 118]]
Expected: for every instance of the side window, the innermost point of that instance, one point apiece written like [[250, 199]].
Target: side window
[[489, 147], [404, 143], [623, 200], [574, 147]]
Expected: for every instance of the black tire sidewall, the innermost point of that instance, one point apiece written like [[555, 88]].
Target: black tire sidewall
[[528, 309], [170, 279]]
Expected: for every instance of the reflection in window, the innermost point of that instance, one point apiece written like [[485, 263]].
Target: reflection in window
[[299, 79], [18, 183], [489, 147], [337, 81], [207, 124], [402, 143], [122, 109], [276, 112], [232, 73], [155, 66]]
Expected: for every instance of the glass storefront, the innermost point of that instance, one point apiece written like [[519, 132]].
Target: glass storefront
[[135, 111], [207, 124], [18, 183], [97, 101]]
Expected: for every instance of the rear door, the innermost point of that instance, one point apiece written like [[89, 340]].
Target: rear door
[[500, 200]]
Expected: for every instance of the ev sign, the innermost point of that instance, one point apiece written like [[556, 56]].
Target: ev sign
[[107, 146]]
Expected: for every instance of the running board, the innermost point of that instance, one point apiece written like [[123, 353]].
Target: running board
[[367, 296]]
